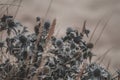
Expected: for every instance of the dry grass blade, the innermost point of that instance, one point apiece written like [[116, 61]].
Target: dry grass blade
[[95, 30], [84, 25], [1, 35], [51, 31], [108, 66], [3, 6], [40, 32], [9, 6], [58, 31], [18, 8], [102, 30], [103, 56], [50, 4], [81, 72], [42, 22], [7, 10], [75, 57], [35, 77]]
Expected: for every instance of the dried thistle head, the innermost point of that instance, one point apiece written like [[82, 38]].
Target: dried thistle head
[[90, 45]]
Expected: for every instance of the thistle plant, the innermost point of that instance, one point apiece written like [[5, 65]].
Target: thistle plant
[[40, 55]]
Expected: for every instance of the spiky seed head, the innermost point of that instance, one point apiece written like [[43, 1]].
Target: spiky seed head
[[46, 69], [90, 45], [87, 32], [36, 29], [97, 73], [67, 49], [72, 46], [47, 25], [77, 39], [5, 17], [37, 19], [69, 30], [23, 39], [59, 43], [72, 34], [53, 38], [11, 23]]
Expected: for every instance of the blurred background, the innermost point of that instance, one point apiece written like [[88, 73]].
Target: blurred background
[[72, 13]]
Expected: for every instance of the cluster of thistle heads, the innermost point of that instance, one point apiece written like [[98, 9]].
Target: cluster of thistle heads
[[41, 56]]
